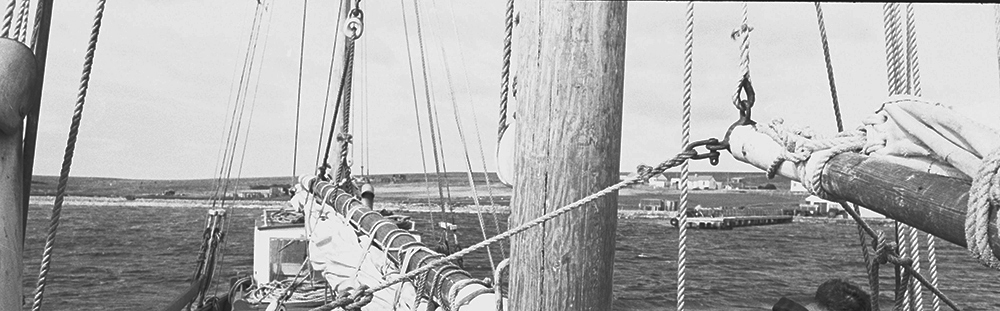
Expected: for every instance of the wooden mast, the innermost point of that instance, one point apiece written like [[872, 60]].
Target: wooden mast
[[18, 74], [568, 90]]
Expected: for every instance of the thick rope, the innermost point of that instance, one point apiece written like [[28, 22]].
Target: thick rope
[[913, 76], [21, 26], [505, 69], [898, 78], [74, 129], [981, 195], [862, 238], [8, 17], [345, 139], [643, 174], [743, 32], [685, 140]]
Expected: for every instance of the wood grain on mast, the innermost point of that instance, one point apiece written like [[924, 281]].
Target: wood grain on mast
[[569, 107]]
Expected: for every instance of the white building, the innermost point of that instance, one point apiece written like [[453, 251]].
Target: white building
[[696, 182], [658, 181], [824, 206]]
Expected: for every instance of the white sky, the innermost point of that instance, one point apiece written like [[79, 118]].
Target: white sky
[[161, 83]]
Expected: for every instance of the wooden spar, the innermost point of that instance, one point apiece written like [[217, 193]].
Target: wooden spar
[[932, 203], [41, 50], [396, 242], [17, 86], [569, 114]]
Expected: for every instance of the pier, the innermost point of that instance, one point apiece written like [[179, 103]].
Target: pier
[[729, 222]]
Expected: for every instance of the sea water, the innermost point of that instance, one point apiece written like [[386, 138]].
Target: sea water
[[111, 257]]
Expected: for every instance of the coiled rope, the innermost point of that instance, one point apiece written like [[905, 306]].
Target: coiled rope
[[685, 140], [74, 130]]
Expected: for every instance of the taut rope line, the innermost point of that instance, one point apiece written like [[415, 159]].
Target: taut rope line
[[74, 130], [685, 140], [862, 238], [643, 174]]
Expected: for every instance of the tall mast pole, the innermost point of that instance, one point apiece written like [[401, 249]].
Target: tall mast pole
[[571, 57], [22, 79], [40, 45]]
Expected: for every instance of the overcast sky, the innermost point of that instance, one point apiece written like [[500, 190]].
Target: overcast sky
[[159, 93]]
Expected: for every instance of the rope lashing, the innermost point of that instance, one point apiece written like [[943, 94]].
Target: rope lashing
[[984, 193], [643, 173], [74, 130], [348, 301], [685, 140]]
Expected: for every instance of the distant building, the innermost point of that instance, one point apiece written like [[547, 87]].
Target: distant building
[[696, 181], [797, 187], [659, 181], [254, 193], [735, 183], [822, 206]]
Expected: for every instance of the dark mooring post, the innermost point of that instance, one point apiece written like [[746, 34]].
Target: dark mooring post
[[568, 90]]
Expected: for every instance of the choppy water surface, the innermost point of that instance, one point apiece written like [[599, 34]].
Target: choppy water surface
[[139, 258]]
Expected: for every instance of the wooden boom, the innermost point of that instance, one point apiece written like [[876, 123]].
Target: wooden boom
[[932, 203], [444, 280]]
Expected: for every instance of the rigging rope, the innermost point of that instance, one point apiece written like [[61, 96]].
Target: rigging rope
[[505, 69], [873, 284], [416, 107], [897, 80], [479, 140], [468, 160], [430, 112], [298, 95], [74, 130], [248, 61], [8, 15], [644, 173], [685, 140], [21, 27]]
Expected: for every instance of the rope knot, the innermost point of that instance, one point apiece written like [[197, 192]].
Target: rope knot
[[345, 137], [740, 31]]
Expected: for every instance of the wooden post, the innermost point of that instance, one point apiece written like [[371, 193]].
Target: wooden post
[[568, 92], [17, 84]]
